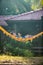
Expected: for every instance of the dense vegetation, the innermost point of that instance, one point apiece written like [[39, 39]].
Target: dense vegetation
[[14, 7], [12, 47]]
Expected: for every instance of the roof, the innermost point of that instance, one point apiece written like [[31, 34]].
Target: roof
[[3, 23], [32, 15]]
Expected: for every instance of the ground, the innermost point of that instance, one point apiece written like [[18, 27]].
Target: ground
[[16, 60]]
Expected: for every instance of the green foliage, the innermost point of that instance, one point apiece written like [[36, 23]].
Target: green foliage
[[35, 4], [19, 52], [12, 47], [42, 3], [14, 7]]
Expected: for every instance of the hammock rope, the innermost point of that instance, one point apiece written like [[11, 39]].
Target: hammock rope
[[20, 38]]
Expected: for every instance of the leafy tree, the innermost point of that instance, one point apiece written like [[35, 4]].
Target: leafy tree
[[36, 4]]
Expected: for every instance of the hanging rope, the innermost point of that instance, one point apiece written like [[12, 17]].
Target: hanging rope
[[20, 38]]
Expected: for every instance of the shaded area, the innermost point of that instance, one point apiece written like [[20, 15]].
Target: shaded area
[[30, 27], [21, 48]]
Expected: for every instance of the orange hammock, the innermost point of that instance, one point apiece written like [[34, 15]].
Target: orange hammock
[[20, 38]]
